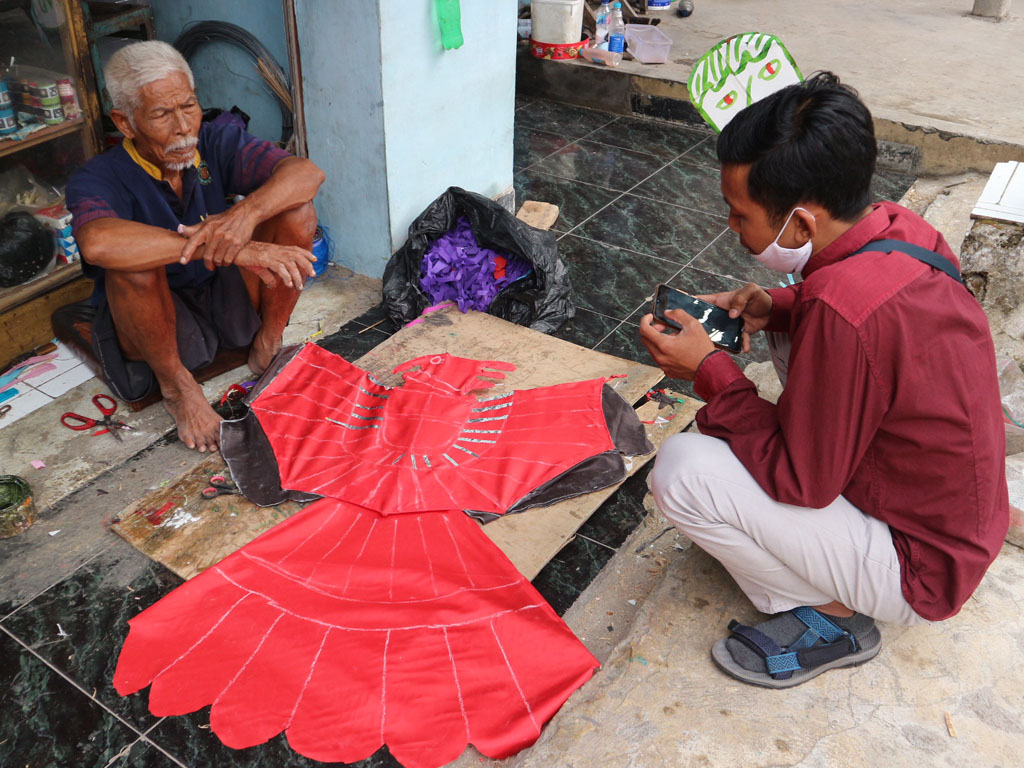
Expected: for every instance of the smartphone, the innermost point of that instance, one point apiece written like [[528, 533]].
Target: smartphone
[[726, 332]]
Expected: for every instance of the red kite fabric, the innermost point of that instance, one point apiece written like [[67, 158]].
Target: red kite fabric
[[348, 630], [338, 432], [350, 626]]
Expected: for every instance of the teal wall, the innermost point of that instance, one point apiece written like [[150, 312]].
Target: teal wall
[[341, 82], [393, 119], [447, 114], [225, 74]]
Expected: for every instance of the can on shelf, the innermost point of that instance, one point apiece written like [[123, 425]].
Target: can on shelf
[[8, 121], [5, 96], [68, 98], [44, 89], [50, 115]]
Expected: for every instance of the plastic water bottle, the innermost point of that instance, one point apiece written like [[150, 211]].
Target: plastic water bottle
[[601, 32], [616, 30]]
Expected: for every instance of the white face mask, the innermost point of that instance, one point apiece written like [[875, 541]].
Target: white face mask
[[788, 261]]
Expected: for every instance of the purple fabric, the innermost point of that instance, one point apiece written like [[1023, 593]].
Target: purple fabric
[[456, 268]]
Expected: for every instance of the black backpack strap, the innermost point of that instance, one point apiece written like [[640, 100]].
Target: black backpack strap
[[931, 258]]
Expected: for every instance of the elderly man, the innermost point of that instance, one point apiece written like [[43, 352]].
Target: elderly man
[[875, 488], [178, 273]]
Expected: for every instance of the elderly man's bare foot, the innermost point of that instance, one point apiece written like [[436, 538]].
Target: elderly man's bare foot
[[198, 424], [262, 352]]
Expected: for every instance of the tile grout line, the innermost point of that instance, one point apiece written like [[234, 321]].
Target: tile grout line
[[146, 739], [668, 162], [571, 141], [625, 321], [626, 192], [608, 335], [61, 580], [573, 181], [540, 159], [627, 250], [599, 314], [74, 683], [640, 253]]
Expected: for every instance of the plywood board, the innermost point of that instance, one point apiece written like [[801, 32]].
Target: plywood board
[[180, 529], [530, 539], [177, 527], [540, 360]]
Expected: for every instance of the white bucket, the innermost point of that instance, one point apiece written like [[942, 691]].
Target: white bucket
[[557, 21]]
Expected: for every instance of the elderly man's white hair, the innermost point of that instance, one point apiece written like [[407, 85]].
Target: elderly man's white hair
[[137, 65]]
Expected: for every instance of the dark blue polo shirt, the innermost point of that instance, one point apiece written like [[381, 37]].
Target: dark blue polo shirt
[[123, 185]]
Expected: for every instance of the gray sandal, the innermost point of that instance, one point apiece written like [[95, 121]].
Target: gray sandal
[[823, 646]]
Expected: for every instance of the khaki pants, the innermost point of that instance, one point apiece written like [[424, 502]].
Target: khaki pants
[[782, 556]]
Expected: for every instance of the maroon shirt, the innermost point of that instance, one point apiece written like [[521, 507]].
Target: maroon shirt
[[892, 401]]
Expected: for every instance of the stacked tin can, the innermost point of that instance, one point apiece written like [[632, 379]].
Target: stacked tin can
[[8, 120], [36, 96]]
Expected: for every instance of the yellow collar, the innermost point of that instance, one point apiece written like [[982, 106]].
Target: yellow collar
[[144, 164]]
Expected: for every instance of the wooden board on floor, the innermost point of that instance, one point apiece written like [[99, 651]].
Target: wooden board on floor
[[192, 533], [531, 538], [540, 360], [178, 528]]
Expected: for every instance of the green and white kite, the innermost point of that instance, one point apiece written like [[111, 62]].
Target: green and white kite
[[737, 72]]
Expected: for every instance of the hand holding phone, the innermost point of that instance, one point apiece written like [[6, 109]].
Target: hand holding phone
[[724, 331]]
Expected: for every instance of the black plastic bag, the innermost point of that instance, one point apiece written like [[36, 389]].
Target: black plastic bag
[[541, 300], [26, 246]]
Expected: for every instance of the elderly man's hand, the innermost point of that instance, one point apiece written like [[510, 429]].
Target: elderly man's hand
[[224, 235], [678, 354], [288, 264]]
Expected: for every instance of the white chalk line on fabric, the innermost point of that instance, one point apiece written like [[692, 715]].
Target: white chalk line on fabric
[[252, 655], [426, 551], [458, 686], [329, 552], [512, 674], [309, 677], [296, 578], [209, 632]]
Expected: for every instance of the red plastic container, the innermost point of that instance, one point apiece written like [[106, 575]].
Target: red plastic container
[[558, 51]]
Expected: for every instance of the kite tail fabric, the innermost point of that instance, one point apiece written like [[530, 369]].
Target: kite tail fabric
[[348, 630]]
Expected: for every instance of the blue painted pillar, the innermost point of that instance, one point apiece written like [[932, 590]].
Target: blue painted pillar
[[394, 119]]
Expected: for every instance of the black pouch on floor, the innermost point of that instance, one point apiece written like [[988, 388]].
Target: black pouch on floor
[[541, 300]]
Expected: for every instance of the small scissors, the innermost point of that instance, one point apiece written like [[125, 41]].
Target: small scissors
[[4, 410], [108, 407], [219, 486]]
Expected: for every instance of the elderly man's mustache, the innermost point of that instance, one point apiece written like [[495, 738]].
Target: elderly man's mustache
[[181, 144]]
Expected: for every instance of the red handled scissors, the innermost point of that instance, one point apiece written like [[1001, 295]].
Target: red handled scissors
[[108, 407], [219, 486]]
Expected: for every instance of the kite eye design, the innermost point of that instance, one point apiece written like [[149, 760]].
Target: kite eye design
[[770, 70], [727, 101]]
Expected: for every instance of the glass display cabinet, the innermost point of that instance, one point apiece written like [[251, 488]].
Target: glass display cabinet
[[49, 126]]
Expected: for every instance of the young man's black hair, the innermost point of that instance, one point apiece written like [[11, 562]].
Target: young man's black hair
[[812, 142]]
